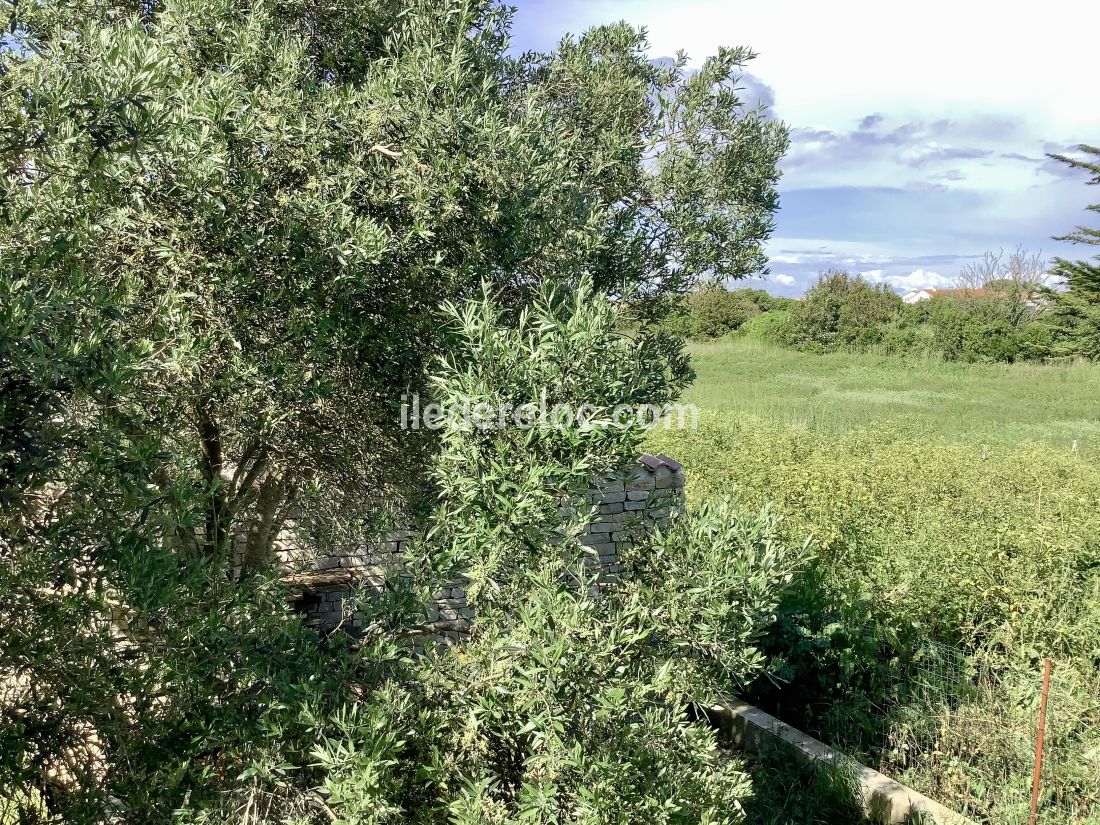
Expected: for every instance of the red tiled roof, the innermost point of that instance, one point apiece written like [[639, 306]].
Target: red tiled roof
[[980, 292]]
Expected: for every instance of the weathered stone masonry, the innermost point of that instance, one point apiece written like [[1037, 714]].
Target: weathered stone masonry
[[625, 507]]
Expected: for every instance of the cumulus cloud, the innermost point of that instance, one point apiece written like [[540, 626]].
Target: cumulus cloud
[[784, 279], [876, 150], [917, 279], [941, 153], [872, 138], [897, 197], [926, 186], [755, 92]]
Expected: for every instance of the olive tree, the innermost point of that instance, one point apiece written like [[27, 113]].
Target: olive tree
[[254, 211], [229, 232], [571, 699]]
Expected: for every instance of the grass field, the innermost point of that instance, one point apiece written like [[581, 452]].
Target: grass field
[[984, 403], [957, 544]]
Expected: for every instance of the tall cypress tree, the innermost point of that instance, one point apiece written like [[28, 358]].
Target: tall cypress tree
[[1083, 276]]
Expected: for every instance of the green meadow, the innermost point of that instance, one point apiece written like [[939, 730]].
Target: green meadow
[[833, 393]]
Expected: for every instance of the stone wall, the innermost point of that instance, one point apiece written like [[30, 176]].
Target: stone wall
[[628, 507], [624, 508]]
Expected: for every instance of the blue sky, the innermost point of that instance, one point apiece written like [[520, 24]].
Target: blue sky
[[919, 132]]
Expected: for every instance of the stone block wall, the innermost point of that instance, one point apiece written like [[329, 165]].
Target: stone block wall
[[622, 508], [626, 507]]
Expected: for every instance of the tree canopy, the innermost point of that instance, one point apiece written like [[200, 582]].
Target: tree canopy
[[235, 224], [232, 236]]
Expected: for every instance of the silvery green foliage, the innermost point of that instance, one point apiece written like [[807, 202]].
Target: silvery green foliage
[[227, 234], [249, 214], [565, 708], [502, 477], [570, 700], [734, 569]]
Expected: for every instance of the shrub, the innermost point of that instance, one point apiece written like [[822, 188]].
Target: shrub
[[842, 312], [769, 326], [679, 321], [571, 703], [905, 337], [717, 311], [973, 330], [716, 578], [570, 696]]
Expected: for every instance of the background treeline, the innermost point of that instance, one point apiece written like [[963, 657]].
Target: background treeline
[[1002, 311]]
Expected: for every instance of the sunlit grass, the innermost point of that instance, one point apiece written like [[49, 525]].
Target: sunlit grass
[[951, 496], [985, 403]]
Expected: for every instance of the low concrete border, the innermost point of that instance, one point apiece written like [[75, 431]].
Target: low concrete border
[[883, 799]]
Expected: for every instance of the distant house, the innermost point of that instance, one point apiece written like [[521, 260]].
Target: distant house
[[915, 296]]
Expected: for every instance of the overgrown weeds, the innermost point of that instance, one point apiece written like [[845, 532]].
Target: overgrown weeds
[[946, 572]]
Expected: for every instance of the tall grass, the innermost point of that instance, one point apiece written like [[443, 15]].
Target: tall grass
[[984, 403], [959, 544]]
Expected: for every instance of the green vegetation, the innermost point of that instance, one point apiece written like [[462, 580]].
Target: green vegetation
[[787, 792], [567, 697], [916, 399], [202, 696], [233, 229], [1002, 312], [1003, 315], [1080, 309], [232, 236], [713, 311], [956, 547]]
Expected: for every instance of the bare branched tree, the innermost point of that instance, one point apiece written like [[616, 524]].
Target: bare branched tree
[[996, 271], [1015, 279]]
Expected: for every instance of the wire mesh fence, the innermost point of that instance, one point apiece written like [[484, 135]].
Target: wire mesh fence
[[964, 733]]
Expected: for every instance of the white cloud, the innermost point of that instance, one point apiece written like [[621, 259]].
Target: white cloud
[[780, 278], [917, 279], [816, 55]]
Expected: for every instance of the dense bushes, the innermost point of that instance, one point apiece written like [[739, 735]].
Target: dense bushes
[[1003, 322], [845, 313], [569, 699], [841, 312], [717, 311], [713, 310], [233, 226], [971, 330], [139, 678]]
